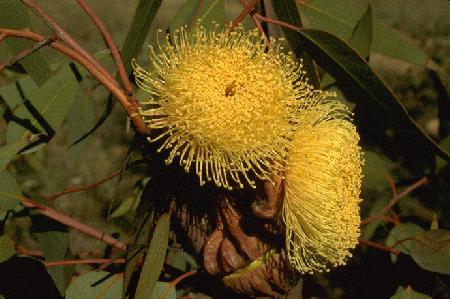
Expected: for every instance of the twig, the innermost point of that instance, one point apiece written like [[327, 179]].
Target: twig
[[114, 50], [70, 222], [276, 22], [182, 276], [111, 86], [379, 246], [402, 241], [247, 9], [26, 251], [84, 261], [395, 199], [2, 36], [26, 52], [86, 187], [67, 38], [391, 184]]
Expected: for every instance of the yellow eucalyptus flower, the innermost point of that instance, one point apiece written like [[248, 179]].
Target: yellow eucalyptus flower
[[223, 103], [322, 188]]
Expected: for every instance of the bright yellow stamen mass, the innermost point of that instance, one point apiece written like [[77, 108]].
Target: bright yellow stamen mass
[[223, 104], [322, 188]]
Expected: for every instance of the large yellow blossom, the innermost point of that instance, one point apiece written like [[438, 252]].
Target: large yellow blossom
[[223, 104], [322, 188]]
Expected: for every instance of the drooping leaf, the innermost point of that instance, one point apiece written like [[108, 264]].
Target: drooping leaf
[[130, 204], [405, 231], [360, 40], [110, 102], [11, 94], [46, 107], [340, 17], [408, 293], [357, 79], [14, 15], [155, 258], [54, 244], [96, 284], [286, 11], [441, 163], [9, 151], [164, 290], [431, 250], [137, 33], [136, 251], [369, 229], [10, 192], [80, 119], [6, 248], [211, 10], [375, 171], [362, 35], [191, 11]]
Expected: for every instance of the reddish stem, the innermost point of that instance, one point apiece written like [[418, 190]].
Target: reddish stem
[[402, 241], [277, 22], [85, 187], [26, 251], [84, 261], [182, 276], [114, 50], [67, 38], [21, 55], [395, 199], [110, 85], [247, 9], [70, 222], [379, 246]]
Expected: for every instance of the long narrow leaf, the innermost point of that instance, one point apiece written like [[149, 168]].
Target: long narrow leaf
[[155, 258], [143, 18], [354, 75], [287, 11]]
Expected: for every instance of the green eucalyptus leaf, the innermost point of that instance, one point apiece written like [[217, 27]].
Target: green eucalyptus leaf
[[441, 163], [360, 40], [136, 252], [9, 151], [96, 284], [11, 94], [339, 18], [408, 293], [14, 15], [47, 106], [369, 229], [211, 11], [80, 120], [357, 79], [405, 231], [375, 171], [154, 260], [362, 35], [143, 17], [431, 250], [10, 192], [55, 244], [191, 11], [286, 11], [164, 290], [6, 248], [127, 206]]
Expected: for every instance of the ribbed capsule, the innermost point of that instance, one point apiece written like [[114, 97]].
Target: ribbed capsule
[[322, 188], [222, 104]]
